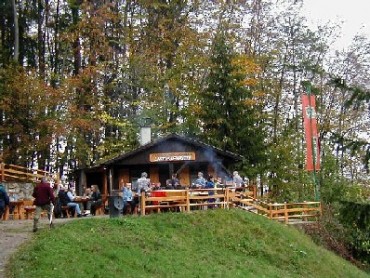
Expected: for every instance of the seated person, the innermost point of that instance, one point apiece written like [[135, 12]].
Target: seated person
[[218, 183], [62, 198], [210, 184], [95, 199], [66, 199], [174, 182], [200, 182], [13, 197], [128, 199], [156, 186], [87, 194], [169, 184]]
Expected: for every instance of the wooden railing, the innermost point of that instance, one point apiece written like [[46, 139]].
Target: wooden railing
[[288, 213], [191, 199], [10, 172], [186, 200]]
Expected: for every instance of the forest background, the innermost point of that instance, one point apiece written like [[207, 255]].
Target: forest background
[[78, 79]]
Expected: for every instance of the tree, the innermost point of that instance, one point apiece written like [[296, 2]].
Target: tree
[[29, 122], [229, 114]]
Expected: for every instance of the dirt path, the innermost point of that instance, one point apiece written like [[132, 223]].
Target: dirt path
[[12, 234]]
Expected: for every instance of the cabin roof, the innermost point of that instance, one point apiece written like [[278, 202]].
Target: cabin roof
[[176, 137]]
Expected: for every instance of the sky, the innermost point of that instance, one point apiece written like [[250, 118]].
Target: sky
[[355, 15]]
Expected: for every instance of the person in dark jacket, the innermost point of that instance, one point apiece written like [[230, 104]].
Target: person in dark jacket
[[66, 197], [44, 200], [4, 200], [96, 199]]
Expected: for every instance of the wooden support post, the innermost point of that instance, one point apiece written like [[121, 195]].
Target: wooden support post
[[305, 213], [2, 166], [319, 210], [270, 211], [187, 200], [6, 213], [286, 218], [227, 198], [142, 203]]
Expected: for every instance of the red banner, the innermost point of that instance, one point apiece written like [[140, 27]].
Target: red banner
[[310, 128]]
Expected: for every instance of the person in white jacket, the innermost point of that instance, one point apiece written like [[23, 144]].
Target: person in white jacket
[[143, 183], [71, 204], [237, 179]]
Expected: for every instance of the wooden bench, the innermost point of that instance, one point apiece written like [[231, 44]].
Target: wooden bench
[[29, 211], [100, 210], [65, 211]]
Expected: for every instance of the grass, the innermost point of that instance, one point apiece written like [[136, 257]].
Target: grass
[[212, 243]]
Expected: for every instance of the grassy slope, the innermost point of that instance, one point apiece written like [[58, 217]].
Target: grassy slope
[[213, 243]]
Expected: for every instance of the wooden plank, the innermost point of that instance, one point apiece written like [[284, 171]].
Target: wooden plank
[[16, 172], [14, 177], [165, 206], [164, 199]]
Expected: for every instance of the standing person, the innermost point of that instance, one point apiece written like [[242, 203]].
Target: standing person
[[96, 199], [237, 179], [44, 200], [58, 206], [4, 200], [143, 183]]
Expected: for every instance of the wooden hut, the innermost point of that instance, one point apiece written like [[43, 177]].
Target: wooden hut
[[160, 159]]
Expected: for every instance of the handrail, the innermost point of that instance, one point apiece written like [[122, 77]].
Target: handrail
[[287, 212]]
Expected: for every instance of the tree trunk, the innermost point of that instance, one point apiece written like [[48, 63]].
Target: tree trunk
[[40, 38], [16, 32]]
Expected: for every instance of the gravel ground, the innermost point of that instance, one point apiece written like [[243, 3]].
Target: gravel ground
[[12, 234]]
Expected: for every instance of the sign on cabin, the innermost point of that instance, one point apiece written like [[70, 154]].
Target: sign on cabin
[[176, 156]]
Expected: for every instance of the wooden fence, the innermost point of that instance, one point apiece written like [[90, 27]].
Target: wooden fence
[[190, 199], [10, 172], [184, 200], [289, 213]]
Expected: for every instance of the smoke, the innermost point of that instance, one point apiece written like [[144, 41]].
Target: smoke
[[216, 163]]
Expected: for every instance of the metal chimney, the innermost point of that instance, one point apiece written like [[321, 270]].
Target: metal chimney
[[145, 135], [145, 132]]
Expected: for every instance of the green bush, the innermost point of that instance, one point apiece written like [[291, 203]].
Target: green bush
[[355, 217]]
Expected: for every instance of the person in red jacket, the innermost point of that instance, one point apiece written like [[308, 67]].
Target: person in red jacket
[[44, 200]]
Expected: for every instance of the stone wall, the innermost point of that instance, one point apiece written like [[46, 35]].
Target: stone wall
[[22, 190]]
